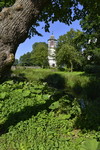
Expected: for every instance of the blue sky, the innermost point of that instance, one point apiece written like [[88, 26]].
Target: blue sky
[[57, 28]]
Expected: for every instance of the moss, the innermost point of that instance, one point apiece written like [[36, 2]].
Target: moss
[[3, 57], [12, 58]]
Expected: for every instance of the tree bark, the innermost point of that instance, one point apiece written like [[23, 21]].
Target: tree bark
[[71, 66], [15, 23]]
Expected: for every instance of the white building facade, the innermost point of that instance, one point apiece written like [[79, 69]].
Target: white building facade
[[52, 43]]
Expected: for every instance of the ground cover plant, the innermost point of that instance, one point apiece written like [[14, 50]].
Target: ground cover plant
[[38, 115]]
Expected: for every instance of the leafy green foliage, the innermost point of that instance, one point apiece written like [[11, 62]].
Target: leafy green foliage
[[91, 37], [37, 117], [39, 54], [90, 144], [92, 56], [72, 38], [69, 49], [25, 60], [37, 57], [68, 11], [66, 107], [92, 69], [91, 26], [68, 55], [6, 3]]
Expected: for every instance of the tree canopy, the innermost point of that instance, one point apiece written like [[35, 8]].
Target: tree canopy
[[91, 38], [37, 57], [72, 37], [69, 49], [25, 60]]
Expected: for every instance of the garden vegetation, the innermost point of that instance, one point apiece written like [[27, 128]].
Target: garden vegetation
[[43, 109]]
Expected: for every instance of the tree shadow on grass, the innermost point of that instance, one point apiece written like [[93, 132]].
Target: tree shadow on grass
[[89, 90], [19, 78], [89, 118], [55, 80], [90, 96], [23, 115]]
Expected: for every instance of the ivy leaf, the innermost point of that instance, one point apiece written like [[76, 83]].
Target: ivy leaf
[[2, 120], [54, 105], [26, 93], [3, 95], [64, 116], [46, 96], [90, 144], [10, 82], [39, 97], [1, 105], [38, 91]]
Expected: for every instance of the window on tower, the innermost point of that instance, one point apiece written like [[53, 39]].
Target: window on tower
[[52, 43]]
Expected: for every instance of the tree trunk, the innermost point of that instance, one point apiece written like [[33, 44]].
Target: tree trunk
[[15, 23], [71, 65]]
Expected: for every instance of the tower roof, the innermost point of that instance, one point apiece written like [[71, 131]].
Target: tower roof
[[52, 38]]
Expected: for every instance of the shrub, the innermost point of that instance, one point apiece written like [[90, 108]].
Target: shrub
[[92, 69]]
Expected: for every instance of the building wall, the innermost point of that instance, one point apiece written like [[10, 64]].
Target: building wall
[[51, 51]]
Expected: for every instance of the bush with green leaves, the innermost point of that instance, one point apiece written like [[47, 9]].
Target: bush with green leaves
[[92, 69]]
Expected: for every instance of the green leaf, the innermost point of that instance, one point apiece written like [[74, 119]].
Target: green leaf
[[10, 82], [39, 97], [3, 95], [1, 105], [54, 105], [18, 91], [46, 96], [2, 120], [90, 144], [63, 116], [26, 93]]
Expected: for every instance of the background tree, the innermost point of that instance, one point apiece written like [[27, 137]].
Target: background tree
[[39, 55], [72, 38], [25, 60], [70, 48], [91, 38], [68, 56]]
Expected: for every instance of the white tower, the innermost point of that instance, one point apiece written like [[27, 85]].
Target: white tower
[[52, 42]]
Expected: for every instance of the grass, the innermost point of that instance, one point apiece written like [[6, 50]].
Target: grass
[[84, 86], [71, 81], [39, 74]]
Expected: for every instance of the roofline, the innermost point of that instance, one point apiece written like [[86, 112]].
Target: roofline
[[52, 39]]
